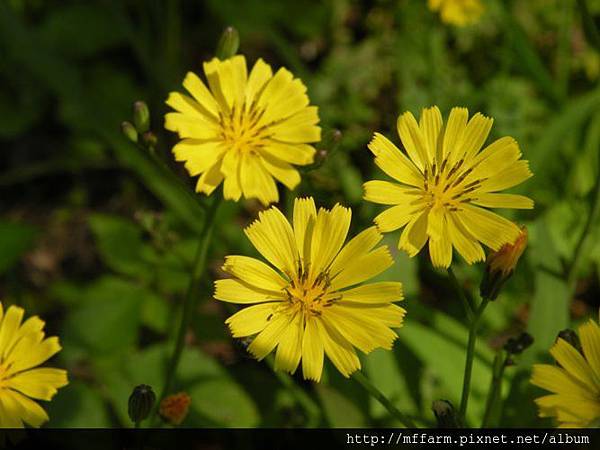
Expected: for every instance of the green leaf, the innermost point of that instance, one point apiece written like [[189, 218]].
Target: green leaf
[[15, 239], [77, 405], [120, 244], [108, 317], [339, 410]]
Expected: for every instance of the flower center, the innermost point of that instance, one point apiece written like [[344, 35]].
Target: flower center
[[445, 186], [242, 129], [309, 296]]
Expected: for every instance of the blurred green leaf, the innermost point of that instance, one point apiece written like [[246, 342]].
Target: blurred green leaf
[[15, 239], [106, 320], [77, 405], [340, 412]]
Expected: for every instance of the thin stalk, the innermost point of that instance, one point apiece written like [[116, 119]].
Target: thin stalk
[[591, 32], [495, 388], [591, 220], [191, 295], [461, 294], [469, 360], [378, 395]]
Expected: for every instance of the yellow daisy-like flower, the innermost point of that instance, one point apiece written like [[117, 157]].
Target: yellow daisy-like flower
[[248, 130], [22, 348], [457, 12], [307, 303], [443, 181], [575, 384]]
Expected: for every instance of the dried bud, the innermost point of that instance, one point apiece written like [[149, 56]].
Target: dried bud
[[500, 266], [516, 346], [149, 139], [129, 131], [445, 414], [174, 408], [228, 43], [141, 117], [571, 337], [141, 402]]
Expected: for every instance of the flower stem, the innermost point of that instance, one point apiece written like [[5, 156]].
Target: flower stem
[[378, 395], [192, 294], [461, 294], [469, 360], [495, 388]]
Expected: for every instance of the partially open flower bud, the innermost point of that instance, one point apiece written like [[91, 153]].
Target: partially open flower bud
[[141, 402], [500, 266], [445, 414], [174, 408]]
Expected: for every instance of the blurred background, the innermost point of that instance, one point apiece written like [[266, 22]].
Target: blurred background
[[96, 240]]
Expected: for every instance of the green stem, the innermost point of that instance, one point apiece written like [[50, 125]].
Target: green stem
[[378, 395], [580, 246], [310, 407], [469, 360], [192, 294], [495, 388], [461, 294]]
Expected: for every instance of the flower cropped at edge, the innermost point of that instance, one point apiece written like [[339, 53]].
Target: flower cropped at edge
[[575, 383], [307, 303], [22, 348], [245, 130], [444, 181], [457, 12]]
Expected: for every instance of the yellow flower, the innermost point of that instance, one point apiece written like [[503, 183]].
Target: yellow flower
[[307, 303], [443, 181], [575, 384], [457, 12], [22, 348], [247, 130]]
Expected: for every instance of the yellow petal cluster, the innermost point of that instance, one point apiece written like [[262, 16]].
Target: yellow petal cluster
[[444, 183], [574, 383], [457, 12], [243, 130], [307, 300], [23, 347]]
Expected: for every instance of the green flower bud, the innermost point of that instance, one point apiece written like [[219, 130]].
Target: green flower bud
[[141, 117], [228, 44], [129, 131], [445, 414], [141, 402]]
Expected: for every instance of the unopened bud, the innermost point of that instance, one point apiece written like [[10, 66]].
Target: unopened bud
[[516, 346], [141, 402], [571, 337], [174, 408], [228, 43], [129, 131], [500, 266], [141, 117], [445, 414], [150, 139]]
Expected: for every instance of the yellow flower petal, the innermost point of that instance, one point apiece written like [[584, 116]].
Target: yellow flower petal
[[236, 291], [267, 339], [503, 201], [489, 228], [8, 328], [289, 349], [207, 104], [475, 135], [41, 383], [465, 244], [393, 162], [395, 217], [412, 139], [251, 320], [312, 351], [589, 335], [381, 292], [430, 124], [230, 168], [414, 235], [210, 179], [305, 214], [330, 231], [386, 193], [199, 155], [358, 246], [254, 272], [282, 171], [256, 180], [453, 135], [362, 268], [557, 380], [574, 363], [338, 350], [300, 154]]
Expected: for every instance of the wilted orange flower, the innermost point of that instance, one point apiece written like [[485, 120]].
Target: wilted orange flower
[[174, 408]]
